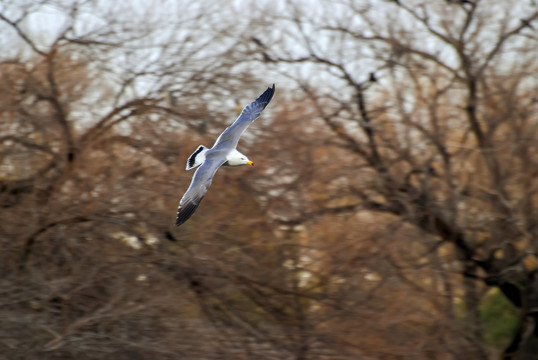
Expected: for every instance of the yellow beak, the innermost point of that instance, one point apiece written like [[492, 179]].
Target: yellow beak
[[250, 163]]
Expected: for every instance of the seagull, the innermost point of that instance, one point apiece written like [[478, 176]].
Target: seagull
[[223, 152]]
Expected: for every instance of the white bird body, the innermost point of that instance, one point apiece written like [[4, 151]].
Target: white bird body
[[233, 158], [223, 153]]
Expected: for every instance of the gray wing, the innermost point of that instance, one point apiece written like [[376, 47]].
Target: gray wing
[[201, 181], [230, 136]]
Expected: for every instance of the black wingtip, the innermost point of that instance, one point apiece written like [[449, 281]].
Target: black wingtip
[[267, 95], [184, 213]]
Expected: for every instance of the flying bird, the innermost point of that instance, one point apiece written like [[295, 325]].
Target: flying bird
[[223, 152]]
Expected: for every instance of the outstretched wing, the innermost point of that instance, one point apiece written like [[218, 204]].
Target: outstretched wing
[[201, 181], [229, 137]]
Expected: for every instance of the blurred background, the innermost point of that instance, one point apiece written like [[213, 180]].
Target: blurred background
[[392, 213]]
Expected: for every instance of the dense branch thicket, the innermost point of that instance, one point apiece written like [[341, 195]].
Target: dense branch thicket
[[391, 213], [434, 109]]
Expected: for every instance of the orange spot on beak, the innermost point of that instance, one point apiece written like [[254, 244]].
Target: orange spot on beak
[[250, 163]]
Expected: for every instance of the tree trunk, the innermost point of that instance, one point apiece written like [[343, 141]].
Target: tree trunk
[[524, 346]]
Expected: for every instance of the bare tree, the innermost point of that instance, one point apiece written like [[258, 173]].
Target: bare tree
[[89, 146], [432, 104], [394, 183]]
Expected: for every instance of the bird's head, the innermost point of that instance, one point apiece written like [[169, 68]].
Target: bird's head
[[237, 159], [246, 161], [242, 159]]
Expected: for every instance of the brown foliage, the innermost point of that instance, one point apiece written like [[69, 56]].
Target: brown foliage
[[394, 183]]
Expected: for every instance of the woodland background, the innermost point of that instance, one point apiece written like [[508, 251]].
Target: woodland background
[[392, 213]]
